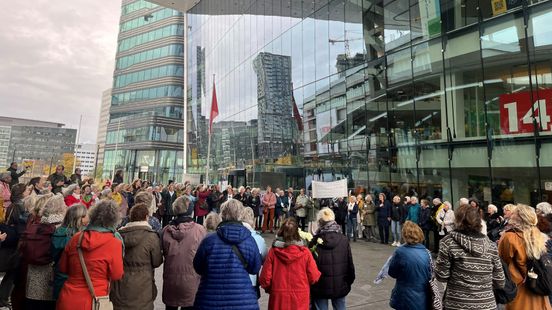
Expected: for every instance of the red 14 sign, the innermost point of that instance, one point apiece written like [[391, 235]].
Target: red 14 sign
[[516, 111]]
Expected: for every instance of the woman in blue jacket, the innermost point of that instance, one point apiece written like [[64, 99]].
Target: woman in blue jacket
[[411, 266], [224, 260]]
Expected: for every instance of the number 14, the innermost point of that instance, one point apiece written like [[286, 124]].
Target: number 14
[[540, 109]]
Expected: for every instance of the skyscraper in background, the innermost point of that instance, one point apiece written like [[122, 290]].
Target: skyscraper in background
[[276, 123], [145, 130], [102, 125]]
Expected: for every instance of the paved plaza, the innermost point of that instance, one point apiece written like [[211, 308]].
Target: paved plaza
[[368, 258]]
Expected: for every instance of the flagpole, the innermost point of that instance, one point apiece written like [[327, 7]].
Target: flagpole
[[208, 158], [207, 167]]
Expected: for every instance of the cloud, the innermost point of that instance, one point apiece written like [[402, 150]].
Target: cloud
[[57, 58]]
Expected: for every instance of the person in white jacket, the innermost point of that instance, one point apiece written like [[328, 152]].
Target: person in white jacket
[[445, 218]]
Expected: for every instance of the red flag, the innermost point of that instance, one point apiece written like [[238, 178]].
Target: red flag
[[296, 114], [214, 108]]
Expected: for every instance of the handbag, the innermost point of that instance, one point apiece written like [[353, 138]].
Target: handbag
[[98, 302], [434, 294]]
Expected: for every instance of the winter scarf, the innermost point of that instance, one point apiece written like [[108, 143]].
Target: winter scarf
[[279, 243], [330, 226]]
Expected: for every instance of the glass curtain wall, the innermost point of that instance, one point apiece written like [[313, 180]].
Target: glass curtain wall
[[407, 97]]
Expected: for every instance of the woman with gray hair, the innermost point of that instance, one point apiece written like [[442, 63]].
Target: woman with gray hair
[[247, 217], [224, 261], [180, 240], [212, 220], [75, 220], [102, 250], [35, 251]]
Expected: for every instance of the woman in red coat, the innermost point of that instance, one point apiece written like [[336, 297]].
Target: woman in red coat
[[200, 213], [289, 259], [103, 254]]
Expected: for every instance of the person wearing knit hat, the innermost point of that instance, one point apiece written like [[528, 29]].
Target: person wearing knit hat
[[333, 257]]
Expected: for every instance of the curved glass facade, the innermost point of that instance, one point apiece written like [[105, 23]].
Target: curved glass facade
[[145, 133], [440, 98]]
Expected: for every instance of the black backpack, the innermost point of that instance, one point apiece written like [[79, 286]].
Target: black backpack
[[542, 284], [509, 292]]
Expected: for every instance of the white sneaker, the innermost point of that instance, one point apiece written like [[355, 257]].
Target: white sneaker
[[394, 243]]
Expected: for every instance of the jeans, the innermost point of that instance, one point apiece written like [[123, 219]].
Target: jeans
[[352, 227], [322, 304], [396, 231], [259, 222], [384, 231]]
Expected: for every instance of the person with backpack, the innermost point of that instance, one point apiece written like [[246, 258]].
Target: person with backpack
[[522, 247], [224, 260], [468, 262], [36, 251]]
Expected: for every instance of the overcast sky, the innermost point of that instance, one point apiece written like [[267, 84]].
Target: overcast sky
[[56, 58]]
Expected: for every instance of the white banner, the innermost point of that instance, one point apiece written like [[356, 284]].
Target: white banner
[[329, 189]]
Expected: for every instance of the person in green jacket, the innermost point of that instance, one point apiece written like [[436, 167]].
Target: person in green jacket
[[75, 220], [414, 210]]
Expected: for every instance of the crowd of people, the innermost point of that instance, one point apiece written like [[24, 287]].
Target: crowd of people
[[68, 243]]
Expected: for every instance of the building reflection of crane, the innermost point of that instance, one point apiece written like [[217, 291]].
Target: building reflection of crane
[[346, 41]]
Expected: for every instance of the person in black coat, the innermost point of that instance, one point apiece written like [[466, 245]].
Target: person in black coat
[[58, 179], [168, 197], [426, 224], [334, 260], [118, 177], [340, 211], [384, 218], [14, 174], [397, 209]]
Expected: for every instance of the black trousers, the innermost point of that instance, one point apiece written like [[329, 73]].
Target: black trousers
[[176, 308], [301, 222], [383, 229], [426, 237]]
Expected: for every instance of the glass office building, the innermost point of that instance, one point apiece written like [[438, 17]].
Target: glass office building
[[145, 130], [440, 98]]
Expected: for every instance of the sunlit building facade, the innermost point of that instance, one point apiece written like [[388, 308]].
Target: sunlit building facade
[[436, 98]]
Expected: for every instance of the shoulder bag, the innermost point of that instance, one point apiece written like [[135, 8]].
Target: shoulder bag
[[434, 294], [98, 302]]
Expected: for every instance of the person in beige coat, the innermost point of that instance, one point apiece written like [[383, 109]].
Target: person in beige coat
[[137, 289]]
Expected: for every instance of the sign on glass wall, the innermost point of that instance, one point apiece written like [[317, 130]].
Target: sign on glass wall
[[516, 111]]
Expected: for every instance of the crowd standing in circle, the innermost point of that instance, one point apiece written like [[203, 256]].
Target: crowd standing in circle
[[65, 239]]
